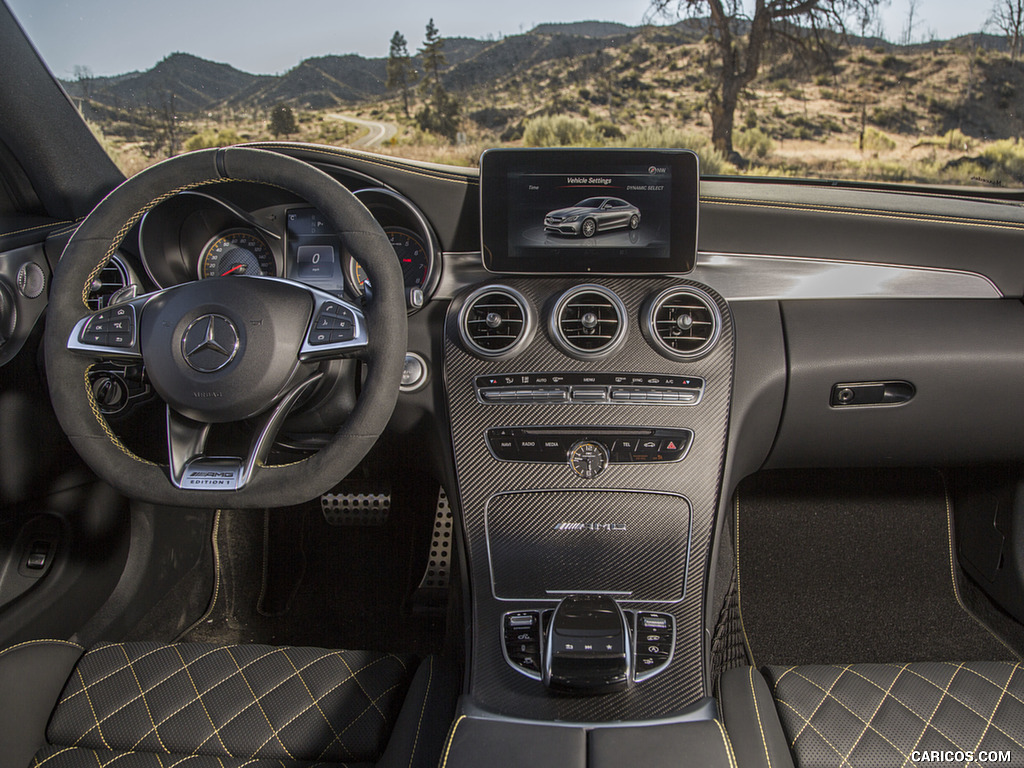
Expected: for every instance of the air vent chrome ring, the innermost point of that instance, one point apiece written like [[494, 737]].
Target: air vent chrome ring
[[682, 322], [492, 329], [583, 327]]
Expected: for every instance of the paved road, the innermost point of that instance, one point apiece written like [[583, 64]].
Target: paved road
[[378, 132]]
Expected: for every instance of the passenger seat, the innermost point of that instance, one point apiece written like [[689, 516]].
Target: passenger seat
[[877, 715]]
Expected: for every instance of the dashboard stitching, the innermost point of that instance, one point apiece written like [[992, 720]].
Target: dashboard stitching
[[53, 224], [923, 219], [371, 161]]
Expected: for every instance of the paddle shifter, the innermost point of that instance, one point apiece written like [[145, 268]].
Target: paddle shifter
[[588, 646]]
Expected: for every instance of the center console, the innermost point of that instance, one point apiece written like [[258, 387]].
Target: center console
[[588, 396]]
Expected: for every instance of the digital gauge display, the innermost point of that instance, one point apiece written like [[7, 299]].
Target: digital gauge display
[[237, 252]]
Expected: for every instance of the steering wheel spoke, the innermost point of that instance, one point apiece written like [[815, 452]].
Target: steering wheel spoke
[[192, 469], [111, 332], [337, 329]]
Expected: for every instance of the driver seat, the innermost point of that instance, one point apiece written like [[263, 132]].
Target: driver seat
[[192, 705]]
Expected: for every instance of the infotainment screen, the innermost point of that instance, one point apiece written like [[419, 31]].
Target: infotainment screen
[[589, 211]]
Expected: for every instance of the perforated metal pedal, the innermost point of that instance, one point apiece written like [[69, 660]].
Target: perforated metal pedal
[[438, 568], [363, 509]]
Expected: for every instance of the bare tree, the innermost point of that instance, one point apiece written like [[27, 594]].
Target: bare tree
[[740, 37], [84, 77], [1008, 17], [912, 23]]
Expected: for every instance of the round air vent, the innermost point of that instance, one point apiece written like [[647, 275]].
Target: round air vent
[[111, 279], [588, 321], [682, 323], [494, 321]]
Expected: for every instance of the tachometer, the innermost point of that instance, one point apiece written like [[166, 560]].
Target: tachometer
[[237, 252], [412, 255]]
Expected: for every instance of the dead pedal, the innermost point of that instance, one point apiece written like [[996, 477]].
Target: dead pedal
[[438, 569], [364, 507]]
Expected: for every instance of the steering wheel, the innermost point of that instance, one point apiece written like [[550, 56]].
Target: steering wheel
[[224, 349]]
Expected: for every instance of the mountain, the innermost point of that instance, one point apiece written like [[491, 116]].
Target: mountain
[[584, 29], [195, 84]]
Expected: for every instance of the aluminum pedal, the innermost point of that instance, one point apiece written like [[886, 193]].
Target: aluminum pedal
[[361, 509]]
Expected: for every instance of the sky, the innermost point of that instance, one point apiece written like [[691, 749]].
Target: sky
[[271, 36]]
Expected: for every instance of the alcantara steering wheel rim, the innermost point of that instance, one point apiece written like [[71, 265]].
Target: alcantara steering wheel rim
[[102, 232]]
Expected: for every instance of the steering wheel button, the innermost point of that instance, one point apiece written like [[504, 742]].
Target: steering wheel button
[[119, 339], [339, 336], [320, 337], [94, 339]]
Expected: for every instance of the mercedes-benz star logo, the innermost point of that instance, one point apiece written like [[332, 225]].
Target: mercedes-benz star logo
[[210, 342]]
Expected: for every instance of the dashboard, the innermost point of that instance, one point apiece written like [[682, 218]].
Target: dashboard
[[591, 427]]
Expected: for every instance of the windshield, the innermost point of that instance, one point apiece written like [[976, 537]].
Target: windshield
[[907, 91]]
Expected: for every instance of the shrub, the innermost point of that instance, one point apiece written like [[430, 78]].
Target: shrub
[[712, 162], [207, 139], [559, 131], [754, 141], [876, 141]]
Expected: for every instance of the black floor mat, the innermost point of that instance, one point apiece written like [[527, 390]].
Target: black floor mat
[[841, 567], [289, 578]]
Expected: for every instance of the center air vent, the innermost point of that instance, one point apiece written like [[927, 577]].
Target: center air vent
[[588, 321], [682, 323], [494, 321], [111, 279]]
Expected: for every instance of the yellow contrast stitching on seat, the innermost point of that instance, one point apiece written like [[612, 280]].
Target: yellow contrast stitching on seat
[[99, 730], [869, 212], [871, 718], [739, 593], [451, 738], [39, 762], [316, 703], [199, 698], [931, 717], [757, 712], [963, 703], [145, 703], [361, 688], [840, 703], [256, 699], [820, 734], [423, 709], [820, 703], [727, 743], [1002, 695]]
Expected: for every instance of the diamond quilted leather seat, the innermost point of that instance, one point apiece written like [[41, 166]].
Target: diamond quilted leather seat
[[190, 705], [879, 715]]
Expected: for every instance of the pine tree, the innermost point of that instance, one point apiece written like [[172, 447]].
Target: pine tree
[[401, 72], [282, 120], [432, 54]]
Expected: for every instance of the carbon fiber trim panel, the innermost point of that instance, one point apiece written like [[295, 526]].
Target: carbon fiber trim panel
[[587, 541], [494, 685]]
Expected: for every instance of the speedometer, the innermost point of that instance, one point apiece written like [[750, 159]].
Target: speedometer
[[237, 252]]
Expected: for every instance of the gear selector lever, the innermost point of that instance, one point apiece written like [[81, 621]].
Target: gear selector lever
[[588, 646]]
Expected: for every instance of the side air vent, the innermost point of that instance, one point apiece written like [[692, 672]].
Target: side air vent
[[588, 321], [494, 321], [682, 323], [111, 279]]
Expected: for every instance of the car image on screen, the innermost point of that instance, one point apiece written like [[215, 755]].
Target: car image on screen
[[593, 215]]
